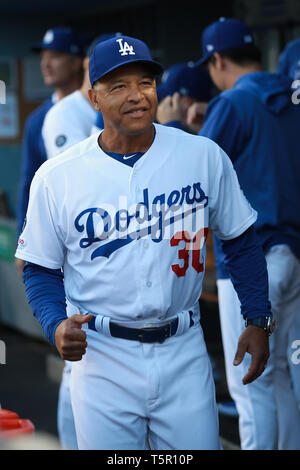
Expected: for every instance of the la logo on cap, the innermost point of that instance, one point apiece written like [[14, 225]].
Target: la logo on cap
[[125, 48], [49, 36]]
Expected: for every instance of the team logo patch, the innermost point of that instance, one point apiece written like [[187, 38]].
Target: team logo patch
[[60, 140]]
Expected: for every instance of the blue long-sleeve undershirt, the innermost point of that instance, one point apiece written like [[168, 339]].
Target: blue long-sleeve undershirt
[[46, 296], [244, 258], [247, 267]]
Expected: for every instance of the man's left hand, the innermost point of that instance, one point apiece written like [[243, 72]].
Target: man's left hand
[[255, 341]]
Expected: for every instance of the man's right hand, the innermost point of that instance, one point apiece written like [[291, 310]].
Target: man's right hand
[[70, 339]]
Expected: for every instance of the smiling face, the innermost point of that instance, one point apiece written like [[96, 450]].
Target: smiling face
[[127, 99]]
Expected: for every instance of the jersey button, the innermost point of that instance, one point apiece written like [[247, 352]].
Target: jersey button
[[149, 284]]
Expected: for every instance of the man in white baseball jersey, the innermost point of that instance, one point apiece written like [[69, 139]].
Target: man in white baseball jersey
[[126, 214]]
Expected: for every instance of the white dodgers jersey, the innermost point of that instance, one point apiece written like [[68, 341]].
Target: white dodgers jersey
[[131, 240]]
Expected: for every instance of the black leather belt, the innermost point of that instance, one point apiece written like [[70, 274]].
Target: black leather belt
[[144, 335]]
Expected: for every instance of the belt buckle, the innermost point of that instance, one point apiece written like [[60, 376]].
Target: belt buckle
[[164, 332], [140, 335]]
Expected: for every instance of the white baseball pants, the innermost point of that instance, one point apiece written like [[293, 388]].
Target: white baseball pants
[[126, 394]]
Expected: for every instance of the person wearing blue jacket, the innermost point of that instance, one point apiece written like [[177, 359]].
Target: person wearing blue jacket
[[256, 123], [289, 65]]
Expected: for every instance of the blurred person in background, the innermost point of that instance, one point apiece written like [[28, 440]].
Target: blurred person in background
[[62, 51], [289, 65], [255, 122], [184, 84]]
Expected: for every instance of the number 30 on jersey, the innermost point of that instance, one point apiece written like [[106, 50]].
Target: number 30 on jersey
[[192, 249]]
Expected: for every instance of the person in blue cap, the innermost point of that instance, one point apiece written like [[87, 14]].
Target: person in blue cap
[[124, 216], [255, 121], [186, 83], [62, 51], [289, 60]]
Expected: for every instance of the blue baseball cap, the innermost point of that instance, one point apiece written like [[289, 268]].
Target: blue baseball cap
[[118, 51], [63, 40], [187, 79], [226, 33]]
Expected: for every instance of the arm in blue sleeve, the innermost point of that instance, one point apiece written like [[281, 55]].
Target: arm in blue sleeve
[[222, 125], [46, 297], [247, 267]]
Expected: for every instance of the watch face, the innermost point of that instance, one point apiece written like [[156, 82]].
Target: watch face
[[271, 326]]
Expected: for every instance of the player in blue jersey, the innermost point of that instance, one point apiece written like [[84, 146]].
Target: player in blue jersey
[[262, 144], [255, 121], [289, 65]]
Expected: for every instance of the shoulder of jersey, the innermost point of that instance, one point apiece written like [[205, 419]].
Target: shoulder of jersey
[[67, 158]]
